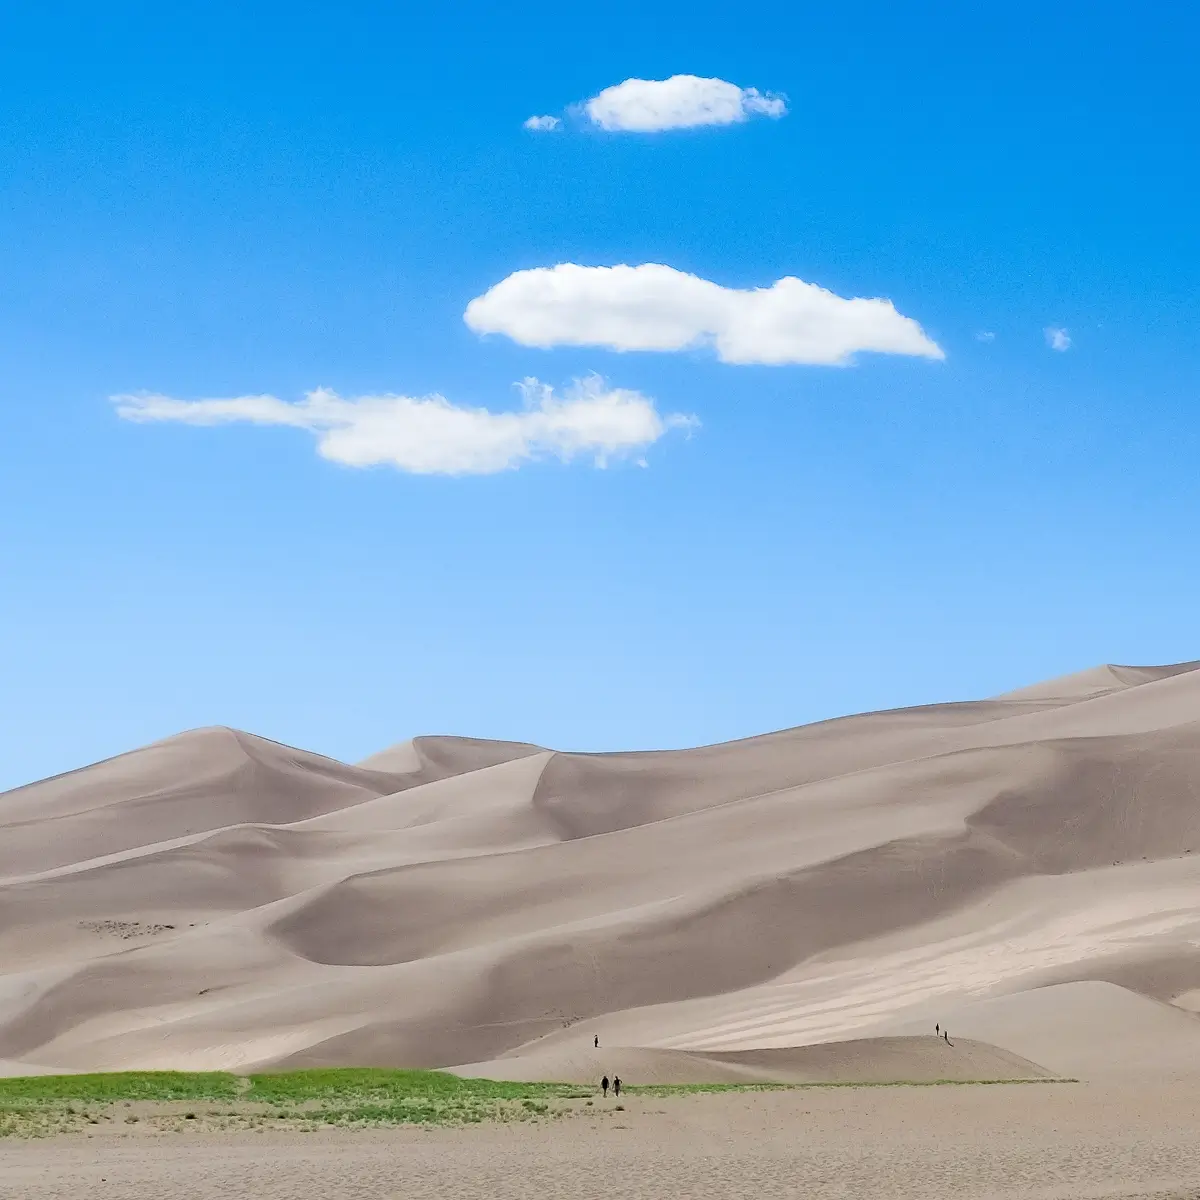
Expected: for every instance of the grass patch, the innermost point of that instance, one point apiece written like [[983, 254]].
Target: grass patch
[[41, 1106], [372, 1096], [376, 1084], [122, 1085]]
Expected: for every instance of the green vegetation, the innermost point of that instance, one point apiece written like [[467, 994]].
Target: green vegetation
[[367, 1095], [45, 1104], [42, 1105], [123, 1085], [176, 1100], [362, 1084]]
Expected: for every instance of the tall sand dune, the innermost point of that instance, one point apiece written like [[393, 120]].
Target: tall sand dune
[[1019, 868]]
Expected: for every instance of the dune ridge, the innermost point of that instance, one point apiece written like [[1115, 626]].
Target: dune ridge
[[217, 900]]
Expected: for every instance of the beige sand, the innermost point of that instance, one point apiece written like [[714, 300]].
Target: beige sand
[[217, 900], [1092, 1030], [861, 1060], [1031, 1140]]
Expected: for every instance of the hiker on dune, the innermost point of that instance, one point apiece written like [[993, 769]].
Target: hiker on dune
[[604, 1086]]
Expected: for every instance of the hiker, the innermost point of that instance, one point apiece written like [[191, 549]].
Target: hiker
[[937, 1029], [946, 1035], [604, 1085], [616, 1085], [596, 1042]]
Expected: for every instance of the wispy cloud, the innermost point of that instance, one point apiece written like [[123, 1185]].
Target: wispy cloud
[[655, 307], [542, 124], [985, 335], [1057, 339], [430, 436], [681, 102]]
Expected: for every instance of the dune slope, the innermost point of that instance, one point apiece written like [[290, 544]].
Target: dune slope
[[895, 1059], [218, 900]]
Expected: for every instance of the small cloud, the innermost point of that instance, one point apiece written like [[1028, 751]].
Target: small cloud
[[681, 102], [428, 435], [1057, 339], [541, 124], [985, 335], [655, 307]]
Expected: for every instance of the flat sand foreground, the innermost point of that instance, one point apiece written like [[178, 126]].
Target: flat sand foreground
[[1063, 1140]]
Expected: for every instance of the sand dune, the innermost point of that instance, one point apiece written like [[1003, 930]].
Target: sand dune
[[1089, 1030], [1097, 680], [220, 900], [860, 1060]]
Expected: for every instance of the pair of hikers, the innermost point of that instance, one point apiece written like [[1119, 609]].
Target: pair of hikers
[[604, 1083], [942, 1033]]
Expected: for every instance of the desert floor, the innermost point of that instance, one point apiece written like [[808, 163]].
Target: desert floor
[[1003, 1140]]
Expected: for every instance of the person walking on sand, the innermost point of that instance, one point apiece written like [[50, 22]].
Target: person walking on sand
[[616, 1085], [937, 1029], [596, 1042], [604, 1086]]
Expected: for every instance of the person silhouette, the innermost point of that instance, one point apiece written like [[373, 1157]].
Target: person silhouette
[[937, 1029], [616, 1085], [596, 1042], [604, 1085]]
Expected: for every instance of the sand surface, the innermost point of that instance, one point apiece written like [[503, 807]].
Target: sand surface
[[917, 1058], [1034, 1140], [1025, 870]]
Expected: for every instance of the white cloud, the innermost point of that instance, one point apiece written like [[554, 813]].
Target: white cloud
[[985, 335], [1058, 339], [430, 436], [681, 102], [654, 307]]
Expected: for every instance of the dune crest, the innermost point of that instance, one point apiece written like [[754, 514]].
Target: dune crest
[[1020, 868]]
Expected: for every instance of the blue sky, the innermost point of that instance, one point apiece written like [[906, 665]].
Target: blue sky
[[221, 201]]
